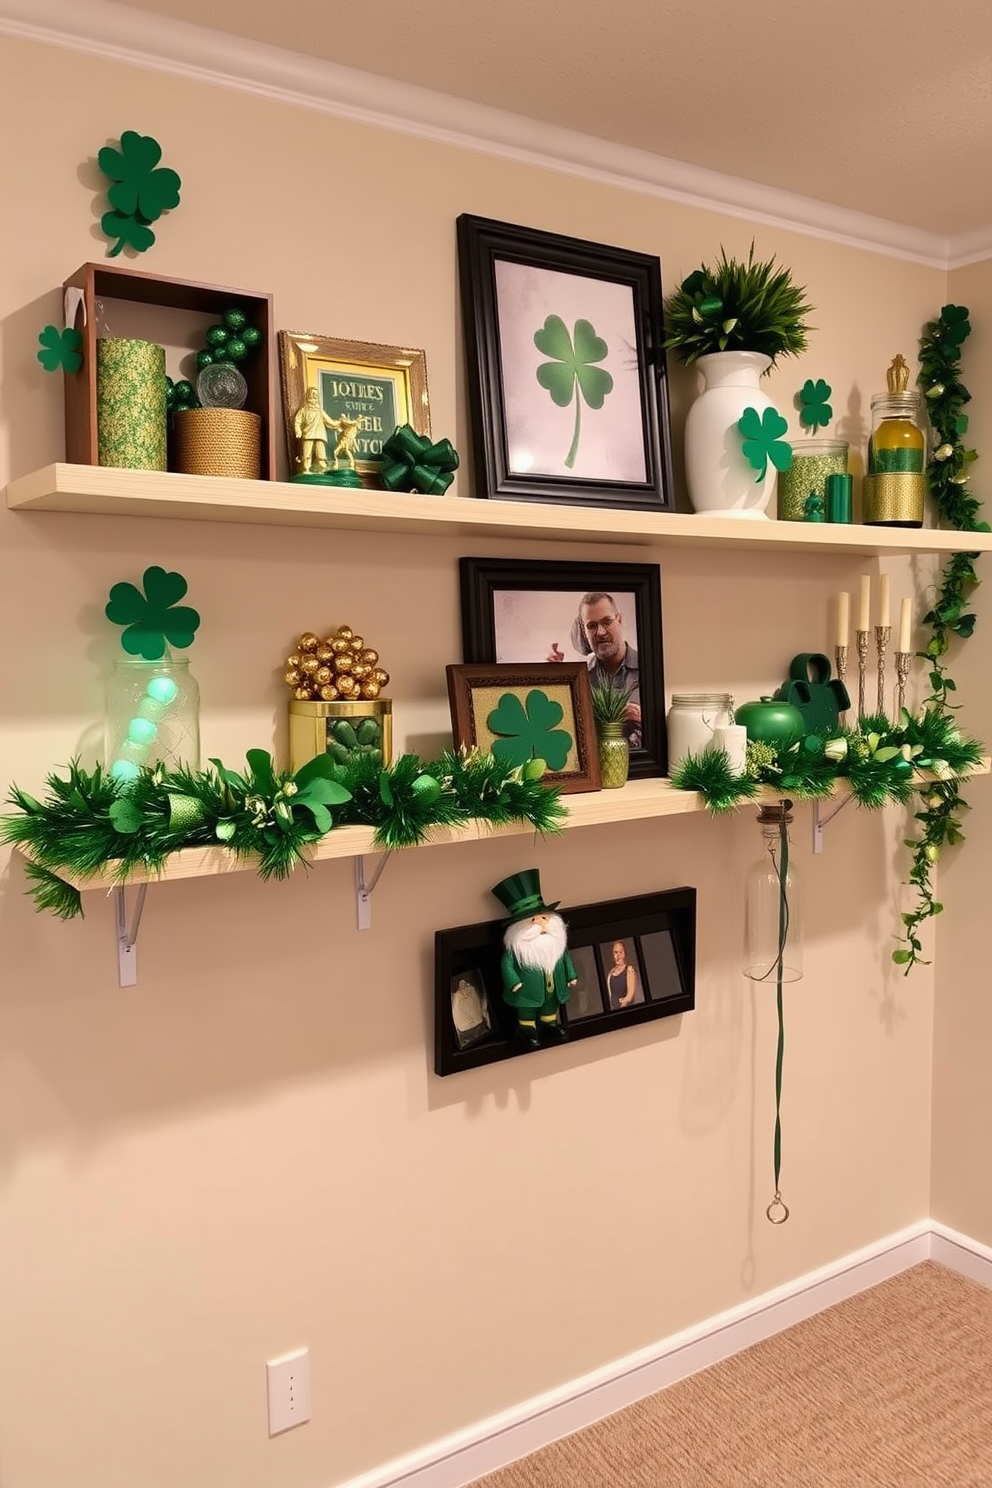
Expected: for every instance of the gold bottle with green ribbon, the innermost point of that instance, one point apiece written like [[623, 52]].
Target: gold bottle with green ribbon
[[896, 483]]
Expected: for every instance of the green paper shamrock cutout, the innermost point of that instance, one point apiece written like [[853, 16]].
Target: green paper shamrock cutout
[[527, 731], [130, 232], [573, 356], [814, 406], [60, 349], [763, 442], [139, 190], [155, 617]]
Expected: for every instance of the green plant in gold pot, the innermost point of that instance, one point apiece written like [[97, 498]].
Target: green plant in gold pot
[[609, 706]]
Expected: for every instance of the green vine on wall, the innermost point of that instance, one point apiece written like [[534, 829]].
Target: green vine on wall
[[948, 471]]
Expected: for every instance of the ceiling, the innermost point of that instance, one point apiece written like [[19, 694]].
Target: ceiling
[[873, 105]]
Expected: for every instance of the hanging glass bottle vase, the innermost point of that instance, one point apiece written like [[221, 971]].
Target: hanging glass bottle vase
[[773, 950]]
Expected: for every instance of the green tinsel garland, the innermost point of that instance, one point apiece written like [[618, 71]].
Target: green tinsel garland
[[90, 823]]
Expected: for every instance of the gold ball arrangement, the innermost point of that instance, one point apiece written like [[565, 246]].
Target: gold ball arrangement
[[337, 668]]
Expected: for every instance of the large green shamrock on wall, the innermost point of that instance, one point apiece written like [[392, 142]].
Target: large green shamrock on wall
[[571, 367], [154, 617], [140, 193], [528, 730], [763, 440]]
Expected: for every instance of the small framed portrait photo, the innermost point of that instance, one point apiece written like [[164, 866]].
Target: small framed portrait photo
[[623, 977], [471, 1018], [605, 616]]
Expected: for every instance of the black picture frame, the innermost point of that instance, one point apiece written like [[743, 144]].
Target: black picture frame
[[660, 926], [511, 275], [483, 580]]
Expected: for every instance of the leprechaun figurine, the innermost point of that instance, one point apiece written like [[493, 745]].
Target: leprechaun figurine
[[538, 973]]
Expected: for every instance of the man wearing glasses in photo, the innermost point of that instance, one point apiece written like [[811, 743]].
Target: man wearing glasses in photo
[[612, 662]]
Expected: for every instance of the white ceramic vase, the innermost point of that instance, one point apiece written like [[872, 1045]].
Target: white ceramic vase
[[721, 481]]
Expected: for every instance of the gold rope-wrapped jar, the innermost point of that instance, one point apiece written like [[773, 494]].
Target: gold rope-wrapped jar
[[218, 441]]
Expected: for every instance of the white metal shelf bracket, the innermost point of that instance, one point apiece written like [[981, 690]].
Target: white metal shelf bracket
[[820, 821], [127, 937], [364, 888]]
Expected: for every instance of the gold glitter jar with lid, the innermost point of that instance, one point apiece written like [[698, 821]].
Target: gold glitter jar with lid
[[812, 461]]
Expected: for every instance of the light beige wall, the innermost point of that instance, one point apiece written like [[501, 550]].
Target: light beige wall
[[249, 1151], [962, 1100]]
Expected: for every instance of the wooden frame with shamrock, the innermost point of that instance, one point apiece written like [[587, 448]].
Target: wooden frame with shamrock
[[659, 927], [566, 371], [526, 712]]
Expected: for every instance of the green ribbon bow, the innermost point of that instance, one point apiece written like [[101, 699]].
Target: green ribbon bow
[[411, 463]]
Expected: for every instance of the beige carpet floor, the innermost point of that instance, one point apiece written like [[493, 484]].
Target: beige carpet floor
[[891, 1389]]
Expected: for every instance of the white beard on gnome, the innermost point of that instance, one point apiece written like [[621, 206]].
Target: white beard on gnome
[[536, 946]]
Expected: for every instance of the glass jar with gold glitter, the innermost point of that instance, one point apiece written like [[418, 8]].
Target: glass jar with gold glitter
[[896, 483], [337, 707]]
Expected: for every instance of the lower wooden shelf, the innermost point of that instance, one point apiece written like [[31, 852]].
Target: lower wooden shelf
[[639, 800]]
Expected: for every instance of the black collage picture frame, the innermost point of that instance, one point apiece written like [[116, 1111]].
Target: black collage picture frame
[[634, 959]]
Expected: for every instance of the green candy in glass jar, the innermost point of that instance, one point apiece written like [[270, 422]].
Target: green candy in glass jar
[[771, 721]]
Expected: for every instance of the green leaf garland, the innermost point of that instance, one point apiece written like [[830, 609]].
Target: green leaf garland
[[948, 474]]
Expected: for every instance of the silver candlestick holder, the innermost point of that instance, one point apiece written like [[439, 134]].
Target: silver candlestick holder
[[861, 637], [840, 656], [882, 636], [903, 659]]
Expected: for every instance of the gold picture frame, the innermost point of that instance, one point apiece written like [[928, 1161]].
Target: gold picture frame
[[383, 385]]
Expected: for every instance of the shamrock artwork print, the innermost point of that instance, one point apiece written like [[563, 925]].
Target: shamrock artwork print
[[526, 713], [566, 373]]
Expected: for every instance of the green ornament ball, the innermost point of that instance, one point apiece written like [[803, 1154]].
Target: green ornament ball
[[217, 335], [184, 392], [235, 350], [204, 358], [251, 335], [234, 319]]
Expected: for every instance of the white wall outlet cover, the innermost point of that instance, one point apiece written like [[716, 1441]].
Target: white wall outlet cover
[[288, 1384]]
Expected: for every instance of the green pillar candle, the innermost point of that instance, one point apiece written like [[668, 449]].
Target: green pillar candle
[[130, 404]]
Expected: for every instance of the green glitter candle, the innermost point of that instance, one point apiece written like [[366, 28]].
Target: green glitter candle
[[812, 461], [130, 404]]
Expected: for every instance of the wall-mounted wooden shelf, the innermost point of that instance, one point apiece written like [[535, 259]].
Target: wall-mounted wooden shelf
[[147, 493], [639, 800]]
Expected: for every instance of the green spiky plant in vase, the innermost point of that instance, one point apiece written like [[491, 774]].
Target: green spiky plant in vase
[[734, 321], [609, 709]]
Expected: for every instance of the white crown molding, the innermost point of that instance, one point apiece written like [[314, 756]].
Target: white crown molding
[[969, 248], [138, 38]]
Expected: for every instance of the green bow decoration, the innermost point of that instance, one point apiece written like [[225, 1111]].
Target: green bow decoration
[[411, 463]]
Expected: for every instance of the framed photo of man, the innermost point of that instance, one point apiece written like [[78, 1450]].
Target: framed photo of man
[[606, 616]]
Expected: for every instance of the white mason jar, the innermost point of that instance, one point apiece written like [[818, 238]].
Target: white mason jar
[[721, 481], [692, 719]]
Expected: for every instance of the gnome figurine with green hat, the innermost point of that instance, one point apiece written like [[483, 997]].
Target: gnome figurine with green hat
[[538, 972]]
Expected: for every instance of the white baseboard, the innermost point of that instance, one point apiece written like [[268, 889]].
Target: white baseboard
[[960, 1253], [460, 1459]]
